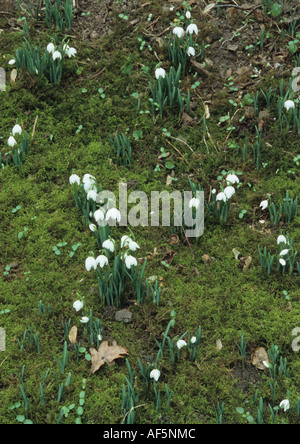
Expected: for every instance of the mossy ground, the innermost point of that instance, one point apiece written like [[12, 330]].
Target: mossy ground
[[219, 296]]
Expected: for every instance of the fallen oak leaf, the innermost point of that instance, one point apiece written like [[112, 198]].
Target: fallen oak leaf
[[73, 335], [106, 354]]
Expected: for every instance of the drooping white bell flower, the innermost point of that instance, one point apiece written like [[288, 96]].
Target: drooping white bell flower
[[78, 305], [264, 205], [71, 52], [84, 320], [93, 228], [130, 261], [155, 374], [180, 344], [50, 48], [289, 104], [102, 261], [229, 192], [113, 214], [90, 263], [284, 252], [160, 72], [11, 141], [133, 246], [178, 31], [16, 130], [188, 15], [87, 178], [266, 364], [192, 29], [231, 179], [99, 216], [194, 203], [109, 245], [191, 52], [221, 196], [74, 179], [285, 404], [193, 340], [125, 241], [92, 195], [12, 62], [56, 55], [281, 240], [282, 262]]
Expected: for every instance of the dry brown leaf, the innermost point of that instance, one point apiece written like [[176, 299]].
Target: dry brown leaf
[[106, 354], [73, 335], [258, 357], [13, 76]]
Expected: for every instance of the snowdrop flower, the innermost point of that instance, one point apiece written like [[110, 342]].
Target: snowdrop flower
[[130, 261], [74, 179], [264, 205], [285, 404], [192, 29], [99, 216], [84, 320], [11, 141], [281, 240], [56, 55], [221, 196], [12, 62], [229, 192], [71, 52], [289, 104], [102, 261], [160, 72], [178, 31], [51, 48], [125, 241], [180, 344], [133, 246], [191, 52], [113, 214], [90, 263], [109, 245], [16, 130], [88, 178], [78, 305], [100, 338], [193, 340], [92, 195], [188, 15], [93, 228], [282, 262], [214, 191], [231, 179], [284, 252], [194, 203], [266, 364], [155, 374]]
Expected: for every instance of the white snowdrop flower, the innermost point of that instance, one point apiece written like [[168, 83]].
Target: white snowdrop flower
[[281, 240], [180, 344], [16, 130], [266, 364], [56, 55], [133, 246], [284, 252], [285, 404], [113, 214], [109, 245], [264, 205], [188, 15], [90, 185], [99, 216], [194, 203], [192, 29], [130, 261], [84, 320], [74, 179], [125, 241], [193, 340], [93, 228], [50, 48], [229, 192], [88, 178], [92, 195], [214, 191], [71, 52], [282, 262], [12, 62], [221, 196], [178, 31], [90, 263], [100, 338], [289, 104], [11, 141], [102, 261], [231, 179], [78, 305], [160, 72], [172, 8], [191, 52], [155, 374]]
